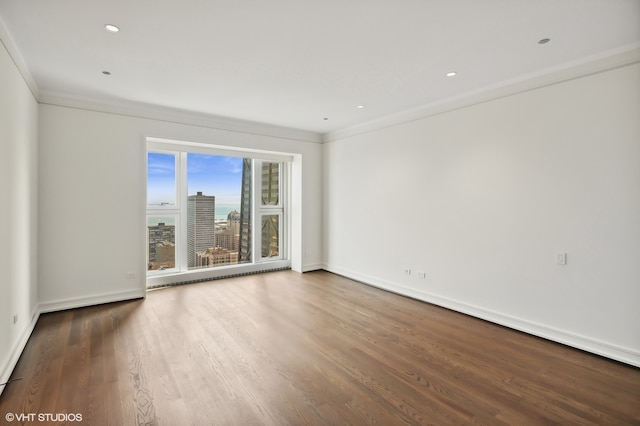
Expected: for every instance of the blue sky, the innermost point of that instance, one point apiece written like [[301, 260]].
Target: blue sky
[[161, 178], [211, 174]]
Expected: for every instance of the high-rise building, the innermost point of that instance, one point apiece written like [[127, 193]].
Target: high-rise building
[[245, 213], [228, 237], [270, 184], [225, 240], [157, 234], [270, 235], [233, 222], [200, 225], [270, 196], [165, 256]]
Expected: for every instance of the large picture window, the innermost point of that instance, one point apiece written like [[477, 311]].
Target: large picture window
[[212, 209]]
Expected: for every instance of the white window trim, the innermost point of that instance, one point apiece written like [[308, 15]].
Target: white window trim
[[157, 144]]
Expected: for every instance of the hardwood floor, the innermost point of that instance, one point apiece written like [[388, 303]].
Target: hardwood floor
[[289, 349]]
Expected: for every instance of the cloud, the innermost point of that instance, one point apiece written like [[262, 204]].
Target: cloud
[[233, 164], [161, 164], [213, 165]]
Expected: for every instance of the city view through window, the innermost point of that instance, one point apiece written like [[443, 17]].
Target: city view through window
[[212, 224]]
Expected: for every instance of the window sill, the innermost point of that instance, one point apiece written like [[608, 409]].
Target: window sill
[[158, 280]]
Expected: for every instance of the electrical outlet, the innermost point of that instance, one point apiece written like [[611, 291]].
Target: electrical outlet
[[15, 318], [407, 271], [131, 275], [422, 275], [562, 258]]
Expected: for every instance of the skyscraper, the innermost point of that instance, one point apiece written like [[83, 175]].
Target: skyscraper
[[245, 213], [233, 222], [270, 197], [270, 184], [158, 234], [200, 225], [228, 237]]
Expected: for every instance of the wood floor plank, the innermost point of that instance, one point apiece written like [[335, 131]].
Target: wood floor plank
[[306, 349]]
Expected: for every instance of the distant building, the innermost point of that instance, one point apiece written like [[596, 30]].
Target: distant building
[[166, 252], [228, 237], [157, 234], [233, 222], [216, 257], [270, 196], [165, 256], [225, 240], [270, 184], [245, 213], [270, 235], [200, 225]]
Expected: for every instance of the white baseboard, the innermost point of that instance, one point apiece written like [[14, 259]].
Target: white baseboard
[[605, 349], [79, 302], [7, 366], [608, 350], [312, 267]]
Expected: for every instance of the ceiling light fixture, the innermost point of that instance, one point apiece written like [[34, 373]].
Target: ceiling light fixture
[[326, 118], [111, 28], [106, 73], [544, 41], [451, 74], [360, 106]]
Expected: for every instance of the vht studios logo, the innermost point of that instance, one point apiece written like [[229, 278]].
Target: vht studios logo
[[43, 417]]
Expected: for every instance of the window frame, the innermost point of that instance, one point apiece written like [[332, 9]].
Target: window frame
[[181, 273], [269, 210]]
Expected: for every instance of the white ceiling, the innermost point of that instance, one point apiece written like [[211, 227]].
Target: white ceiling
[[292, 63]]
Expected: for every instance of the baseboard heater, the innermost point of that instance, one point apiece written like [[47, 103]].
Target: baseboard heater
[[230, 275]]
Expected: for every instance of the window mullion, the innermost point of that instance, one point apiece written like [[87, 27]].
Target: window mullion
[[256, 217], [182, 194]]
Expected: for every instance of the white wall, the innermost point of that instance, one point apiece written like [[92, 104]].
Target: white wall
[[483, 198], [18, 214], [92, 200]]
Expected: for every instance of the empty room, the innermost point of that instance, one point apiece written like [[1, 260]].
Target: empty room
[[340, 212]]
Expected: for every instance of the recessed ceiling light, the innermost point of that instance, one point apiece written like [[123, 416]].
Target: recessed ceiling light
[[451, 74], [544, 41], [326, 118], [111, 28], [360, 106], [106, 73]]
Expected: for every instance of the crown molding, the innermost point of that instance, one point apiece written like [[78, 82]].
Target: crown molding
[[147, 111], [16, 57], [612, 59], [625, 55], [174, 115]]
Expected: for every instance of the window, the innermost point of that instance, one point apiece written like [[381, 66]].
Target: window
[[161, 253], [200, 209], [163, 211], [270, 210]]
